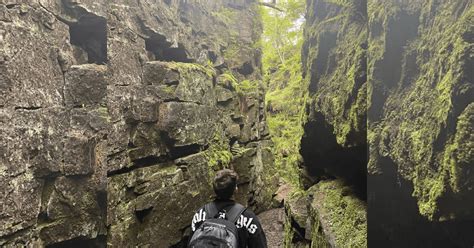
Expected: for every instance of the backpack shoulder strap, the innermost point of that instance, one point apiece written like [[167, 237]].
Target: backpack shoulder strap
[[234, 212], [211, 210]]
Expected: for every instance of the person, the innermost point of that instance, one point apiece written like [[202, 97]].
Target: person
[[249, 230]]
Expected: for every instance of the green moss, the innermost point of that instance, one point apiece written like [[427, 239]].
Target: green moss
[[104, 113], [225, 15], [339, 57], [243, 87], [186, 68], [342, 215], [246, 87], [458, 156], [218, 155], [415, 130]]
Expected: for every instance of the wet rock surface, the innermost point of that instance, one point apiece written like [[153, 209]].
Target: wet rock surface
[[115, 116], [420, 64]]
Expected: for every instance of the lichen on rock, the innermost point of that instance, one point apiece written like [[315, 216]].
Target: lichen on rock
[[110, 113]]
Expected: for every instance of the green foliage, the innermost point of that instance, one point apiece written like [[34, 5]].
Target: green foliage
[[225, 15], [218, 154], [286, 90], [185, 68], [246, 86], [243, 87]]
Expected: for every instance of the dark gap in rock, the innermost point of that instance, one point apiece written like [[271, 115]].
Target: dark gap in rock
[[299, 232], [214, 78], [184, 20], [78, 106], [90, 34], [224, 103], [12, 5], [180, 151], [246, 69], [168, 2], [461, 97], [393, 215], [324, 157], [410, 69], [388, 71], [148, 161], [80, 242], [212, 56], [399, 32], [258, 58], [232, 141], [162, 50], [142, 214], [47, 190], [101, 198], [131, 145], [178, 100], [42, 217], [28, 108], [320, 65], [375, 29], [183, 151], [140, 163]]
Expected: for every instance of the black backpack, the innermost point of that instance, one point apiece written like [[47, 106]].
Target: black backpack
[[218, 233]]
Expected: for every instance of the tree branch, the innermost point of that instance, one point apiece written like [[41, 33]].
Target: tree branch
[[273, 6]]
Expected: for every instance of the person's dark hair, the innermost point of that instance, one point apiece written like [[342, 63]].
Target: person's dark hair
[[224, 184]]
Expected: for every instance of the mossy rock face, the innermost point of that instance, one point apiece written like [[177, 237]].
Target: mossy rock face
[[338, 217], [334, 59], [114, 124], [152, 203], [420, 60]]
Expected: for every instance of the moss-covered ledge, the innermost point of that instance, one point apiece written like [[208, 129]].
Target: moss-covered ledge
[[338, 218]]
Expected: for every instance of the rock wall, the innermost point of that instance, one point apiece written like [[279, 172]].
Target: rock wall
[[332, 211], [334, 62], [114, 117], [420, 122], [416, 57]]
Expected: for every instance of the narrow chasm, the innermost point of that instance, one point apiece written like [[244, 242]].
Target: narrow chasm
[[323, 169], [89, 37], [324, 158], [349, 122]]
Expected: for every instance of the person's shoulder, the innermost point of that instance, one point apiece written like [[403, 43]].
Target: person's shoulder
[[201, 208], [249, 213]]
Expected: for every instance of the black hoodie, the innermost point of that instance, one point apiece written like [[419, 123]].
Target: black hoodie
[[250, 230]]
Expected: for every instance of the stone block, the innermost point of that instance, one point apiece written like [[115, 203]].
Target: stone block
[[187, 123], [85, 85], [79, 155]]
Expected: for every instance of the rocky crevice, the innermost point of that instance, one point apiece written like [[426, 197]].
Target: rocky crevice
[[414, 128], [332, 210]]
